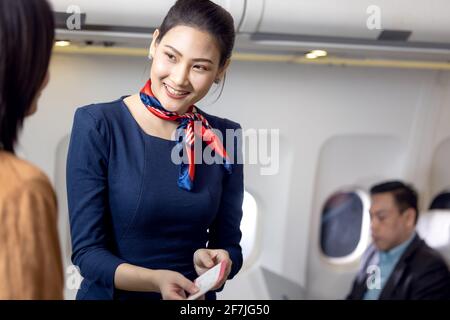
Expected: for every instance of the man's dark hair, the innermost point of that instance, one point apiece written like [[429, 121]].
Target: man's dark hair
[[405, 195], [26, 41]]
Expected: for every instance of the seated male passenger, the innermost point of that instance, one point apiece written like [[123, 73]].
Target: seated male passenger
[[399, 265]]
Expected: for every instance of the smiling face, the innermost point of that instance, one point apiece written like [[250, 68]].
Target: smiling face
[[389, 226], [185, 65]]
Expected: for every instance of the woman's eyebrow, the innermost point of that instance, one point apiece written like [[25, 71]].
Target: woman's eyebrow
[[196, 60]]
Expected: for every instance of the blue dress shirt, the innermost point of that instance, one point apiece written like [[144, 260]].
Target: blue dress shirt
[[387, 260]]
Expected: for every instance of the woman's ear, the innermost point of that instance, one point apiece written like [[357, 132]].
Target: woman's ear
[[222, 71], [154, 44]]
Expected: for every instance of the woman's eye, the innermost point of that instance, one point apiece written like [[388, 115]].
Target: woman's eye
[[170, 56], [201, 68]]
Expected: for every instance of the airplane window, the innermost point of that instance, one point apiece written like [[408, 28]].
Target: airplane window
[[248, 225], [344, 224], [441, 201]]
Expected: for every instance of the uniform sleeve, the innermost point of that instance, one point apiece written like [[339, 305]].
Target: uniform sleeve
[[225, 232], [32, 248], [87, 199]]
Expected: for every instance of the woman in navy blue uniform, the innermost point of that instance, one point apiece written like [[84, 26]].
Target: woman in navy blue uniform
[[144, 224]]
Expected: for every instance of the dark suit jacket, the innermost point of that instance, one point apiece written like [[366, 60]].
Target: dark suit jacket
[[421, 273]]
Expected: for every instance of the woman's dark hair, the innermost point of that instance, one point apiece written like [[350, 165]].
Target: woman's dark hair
[[204, 15], [26, 41]]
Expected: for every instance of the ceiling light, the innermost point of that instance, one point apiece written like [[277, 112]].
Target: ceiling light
[[62, 43], [320, 53], [310, 55]]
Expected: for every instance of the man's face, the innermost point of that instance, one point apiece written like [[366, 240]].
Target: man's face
[[389, 226]]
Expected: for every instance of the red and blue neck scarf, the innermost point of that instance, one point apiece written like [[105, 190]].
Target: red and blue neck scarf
[[186, 122]]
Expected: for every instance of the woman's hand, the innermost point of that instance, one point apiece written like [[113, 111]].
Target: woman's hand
[[205, 259], [173, 285]]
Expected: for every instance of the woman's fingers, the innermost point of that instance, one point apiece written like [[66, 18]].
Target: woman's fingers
[[206, 259], [177, 295], [187, 285], [221, 255], [174, 285], [203, 260]]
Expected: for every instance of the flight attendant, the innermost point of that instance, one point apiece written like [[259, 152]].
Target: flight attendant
[[144, 224]]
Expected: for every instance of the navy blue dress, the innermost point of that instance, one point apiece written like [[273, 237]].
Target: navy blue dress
[[125, 205]]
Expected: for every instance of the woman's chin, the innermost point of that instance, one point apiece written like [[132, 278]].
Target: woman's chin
[[180, 109]]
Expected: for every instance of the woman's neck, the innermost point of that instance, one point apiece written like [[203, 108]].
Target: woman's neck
[[150, 123]]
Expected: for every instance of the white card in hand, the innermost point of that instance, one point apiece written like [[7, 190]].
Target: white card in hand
[[208, 280]]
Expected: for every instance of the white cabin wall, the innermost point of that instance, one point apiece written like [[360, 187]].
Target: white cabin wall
[[440, 155], [309, 104]]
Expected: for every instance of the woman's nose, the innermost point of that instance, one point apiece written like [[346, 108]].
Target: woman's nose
[[179, 75]]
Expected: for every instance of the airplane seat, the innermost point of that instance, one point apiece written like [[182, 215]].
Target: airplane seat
[[72, 276], [434, 227], [441, 201]]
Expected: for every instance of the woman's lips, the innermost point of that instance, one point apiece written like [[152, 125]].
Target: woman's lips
[[175, 94]]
